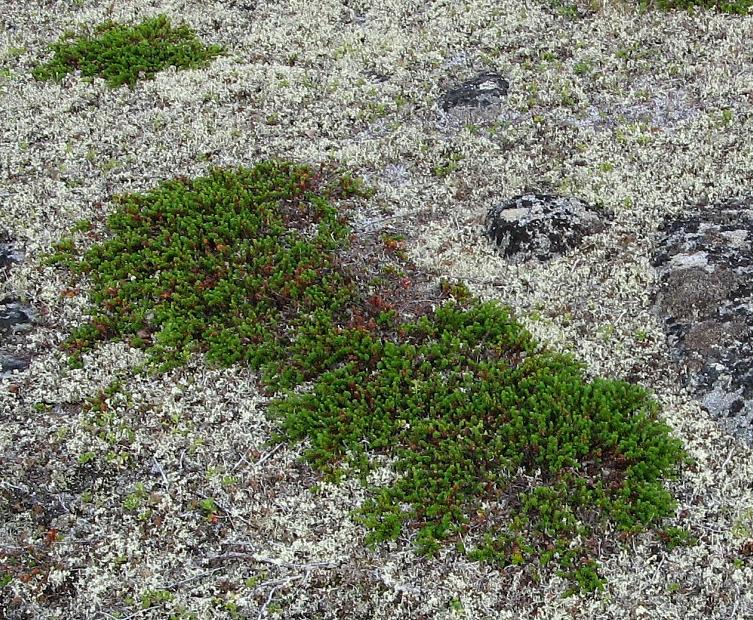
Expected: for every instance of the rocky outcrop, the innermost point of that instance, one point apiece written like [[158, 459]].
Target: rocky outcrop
[[705, 300], [541, 226]]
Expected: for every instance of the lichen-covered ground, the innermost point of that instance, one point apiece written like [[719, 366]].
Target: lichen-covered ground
[[106, 514]]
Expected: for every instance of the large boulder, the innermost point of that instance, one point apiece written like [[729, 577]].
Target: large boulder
[[541, 226], [705, 300]]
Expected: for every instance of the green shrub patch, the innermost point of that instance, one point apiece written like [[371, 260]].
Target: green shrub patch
[[498, 445], [240, 265], [123, 54], [490, 438]]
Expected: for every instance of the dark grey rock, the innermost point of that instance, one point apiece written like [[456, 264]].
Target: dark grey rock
[[376, 76], [15, 320], [14, 316], [541, 226], [10, 363], [9, 254], [482, 91], [475, 102], [5, 257], [705, 300]]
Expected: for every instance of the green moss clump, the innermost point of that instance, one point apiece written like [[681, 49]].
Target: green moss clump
[[123, 54], [497, 444]]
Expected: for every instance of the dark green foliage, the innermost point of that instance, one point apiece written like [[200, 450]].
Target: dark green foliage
[[240, 265], [63, 254], [586, 578], [495, 441], [474, 414], [120, 53], [674, 537]]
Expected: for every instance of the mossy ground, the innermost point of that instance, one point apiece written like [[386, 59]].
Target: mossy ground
[[500, 446], [123, 54]]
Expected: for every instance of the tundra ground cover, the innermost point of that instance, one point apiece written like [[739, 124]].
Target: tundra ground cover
[[246, 267], [161, 495]]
